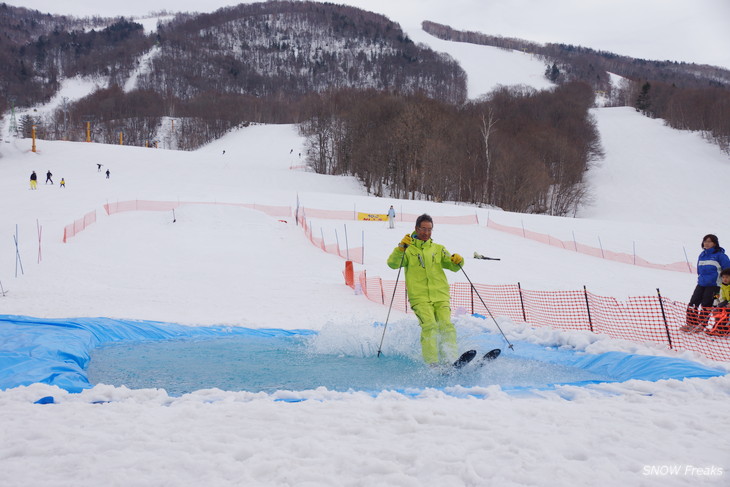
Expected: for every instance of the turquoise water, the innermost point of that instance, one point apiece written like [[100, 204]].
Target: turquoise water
[[268, 364], [75, 353]]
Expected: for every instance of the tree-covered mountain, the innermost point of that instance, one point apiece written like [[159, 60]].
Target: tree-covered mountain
[[370, 102]]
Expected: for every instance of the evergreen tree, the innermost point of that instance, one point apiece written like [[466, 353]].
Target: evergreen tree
[[643, 101], [552, 73]]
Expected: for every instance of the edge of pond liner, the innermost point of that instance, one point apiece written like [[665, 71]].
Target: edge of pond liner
[[57, 352]]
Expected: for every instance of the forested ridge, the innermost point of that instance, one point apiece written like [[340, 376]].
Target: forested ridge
[[370, 102], [687, 96]]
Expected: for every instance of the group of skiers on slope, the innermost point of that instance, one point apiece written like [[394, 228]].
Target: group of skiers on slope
[[424, 262], [49, 178]]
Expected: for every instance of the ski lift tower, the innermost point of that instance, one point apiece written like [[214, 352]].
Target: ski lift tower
[[87, 120]]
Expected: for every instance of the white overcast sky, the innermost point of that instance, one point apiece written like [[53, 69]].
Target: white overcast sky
[[678, 30]]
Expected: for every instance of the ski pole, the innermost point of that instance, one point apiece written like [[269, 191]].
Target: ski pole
[[391, 303], [511, 347]]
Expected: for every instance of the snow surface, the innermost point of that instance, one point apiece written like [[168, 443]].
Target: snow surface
[[228, 265]]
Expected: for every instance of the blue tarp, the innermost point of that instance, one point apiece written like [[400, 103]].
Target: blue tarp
[[619, 366], [57, 351]]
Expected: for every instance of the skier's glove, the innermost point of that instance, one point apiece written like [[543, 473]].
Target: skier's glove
[[457, 259], [407, 240]]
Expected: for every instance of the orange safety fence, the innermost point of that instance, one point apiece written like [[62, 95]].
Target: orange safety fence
[[354, 254], [588, 250], [638, 319], [146, 205], [78, 225], [403, 217]]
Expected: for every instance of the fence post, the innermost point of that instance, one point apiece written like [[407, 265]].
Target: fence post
[[347, 244], [40, 232], [588, 308], [522, 303], [471, 294], [687, 259], [664, 317], [601, 245], [337, 239], [634, 244]]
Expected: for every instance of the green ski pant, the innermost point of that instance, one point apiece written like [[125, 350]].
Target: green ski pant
[[438, 335]]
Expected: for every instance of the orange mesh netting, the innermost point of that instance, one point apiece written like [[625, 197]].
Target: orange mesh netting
[[78, 225], [588, 250], [638, 319]]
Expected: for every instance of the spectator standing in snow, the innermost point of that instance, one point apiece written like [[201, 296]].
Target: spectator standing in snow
[[428, 289], [710, 263], [107, 173], [48, 177], [33, 181], [63, 183], [391, 217]]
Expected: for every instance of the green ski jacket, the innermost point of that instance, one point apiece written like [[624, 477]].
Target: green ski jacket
[[424, 263]]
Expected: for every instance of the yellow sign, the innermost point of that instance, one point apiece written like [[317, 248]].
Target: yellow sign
[[372, 217]]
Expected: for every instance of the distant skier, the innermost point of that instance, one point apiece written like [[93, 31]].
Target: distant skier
[[33, 181], [107, 173], [63, 183], [48, 177], [98, 167], [391, 217], [224, 153]]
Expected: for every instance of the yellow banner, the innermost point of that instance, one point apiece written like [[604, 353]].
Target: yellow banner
[[372, 217]]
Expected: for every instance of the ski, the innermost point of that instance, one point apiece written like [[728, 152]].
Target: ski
[[489, 356], [465, 358]]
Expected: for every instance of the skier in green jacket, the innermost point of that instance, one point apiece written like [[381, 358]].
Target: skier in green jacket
[[428, 289]]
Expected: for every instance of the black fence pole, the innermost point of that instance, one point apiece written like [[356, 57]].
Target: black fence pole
[[471, 294], [588, 308], [664, 317], [522, 303]]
